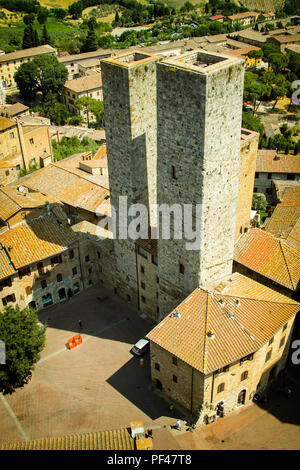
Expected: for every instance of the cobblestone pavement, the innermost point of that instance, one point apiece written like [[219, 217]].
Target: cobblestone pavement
[[99, 385]]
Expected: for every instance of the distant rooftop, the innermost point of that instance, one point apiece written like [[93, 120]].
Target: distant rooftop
[[32, 51]]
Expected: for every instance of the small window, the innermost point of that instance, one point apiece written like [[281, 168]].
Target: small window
[[157, 279], [59, 277], [40, 267], [143, 299], [154, 260], [128, 298], [90, 270], [43, 284], [99, 254], [282, 341], [143, 285], [74, 271], [142, 269], [11, 135], [142, 252], [174, 174], [175, 378], [31, 141], [221, 387], [100, 268], [181, 268], [174, 361], [244, 375], [28, 290], [71, 254], [87, 258], [268, 355], [157, 366]]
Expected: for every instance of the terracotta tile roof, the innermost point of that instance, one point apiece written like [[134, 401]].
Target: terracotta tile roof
[[216, 17], [67, 187], [148, 244], [86, 83], [6, 267], [246, 14], [267, 163], [119, 439], [287, 39], [261, 252], [281, 185], [208, 336], [286, 213], [13, 109], [293, 238], [30, 52], [12, 200], [6, 123], [31, 241]]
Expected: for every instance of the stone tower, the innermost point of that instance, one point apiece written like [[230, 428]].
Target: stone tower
[[199, 111], [129, 94]]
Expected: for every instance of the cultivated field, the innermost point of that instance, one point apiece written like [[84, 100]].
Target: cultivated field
[[263, 5]]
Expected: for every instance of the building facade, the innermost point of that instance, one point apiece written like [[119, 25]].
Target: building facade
[[9, 63]]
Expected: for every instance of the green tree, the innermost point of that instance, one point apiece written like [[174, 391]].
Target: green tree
[[29, 19], [42, 15], [24, 339], [91, 42], [36, 39], [42, 74], [278, 62], [28, 37], [59, 13], [45, 38], [85, 102], [97, 109], [259, 203], [56, 111]]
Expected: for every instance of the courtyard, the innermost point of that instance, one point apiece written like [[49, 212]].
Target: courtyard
[[100, 385]]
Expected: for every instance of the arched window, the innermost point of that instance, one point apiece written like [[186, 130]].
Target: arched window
[[244, 375]]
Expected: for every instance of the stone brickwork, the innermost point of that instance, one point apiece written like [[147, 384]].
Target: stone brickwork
[[198, 148], [248, 158], [148, 284], [198, 393], [56, 280], [129, 90]]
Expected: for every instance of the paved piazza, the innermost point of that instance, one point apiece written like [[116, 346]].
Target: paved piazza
[[99, 386]]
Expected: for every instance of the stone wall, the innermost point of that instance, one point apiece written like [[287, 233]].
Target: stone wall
[[198, 138], [198, 394], [248, 156], [129, 94]]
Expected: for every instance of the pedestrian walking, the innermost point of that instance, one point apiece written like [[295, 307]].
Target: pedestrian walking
[[178, 425], [80, 323]]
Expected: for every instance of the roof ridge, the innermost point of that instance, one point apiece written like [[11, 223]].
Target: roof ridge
[[259, 300], [205, 330], [287, 266], [7, 195], [76, 174]]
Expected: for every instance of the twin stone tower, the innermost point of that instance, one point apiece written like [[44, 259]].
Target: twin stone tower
[[173, 130]]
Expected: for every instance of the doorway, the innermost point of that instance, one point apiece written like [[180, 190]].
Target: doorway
[[242, 397]]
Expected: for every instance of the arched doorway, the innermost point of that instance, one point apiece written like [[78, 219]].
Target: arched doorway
[[241, 397], [158, 384]]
